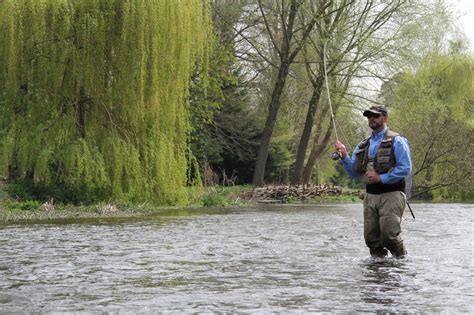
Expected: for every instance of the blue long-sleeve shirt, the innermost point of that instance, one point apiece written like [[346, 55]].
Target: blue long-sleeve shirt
[[401, 148]]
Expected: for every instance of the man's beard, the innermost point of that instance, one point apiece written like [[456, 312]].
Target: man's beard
[[374, 125]]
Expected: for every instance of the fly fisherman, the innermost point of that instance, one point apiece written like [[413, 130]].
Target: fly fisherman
[[382, 161]]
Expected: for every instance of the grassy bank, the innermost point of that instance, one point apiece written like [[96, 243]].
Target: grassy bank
[[214, 199]]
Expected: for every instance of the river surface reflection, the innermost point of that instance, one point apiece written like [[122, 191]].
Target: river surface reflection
[[270, 259]]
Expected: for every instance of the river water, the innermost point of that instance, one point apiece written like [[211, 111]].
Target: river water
[[270, 259]]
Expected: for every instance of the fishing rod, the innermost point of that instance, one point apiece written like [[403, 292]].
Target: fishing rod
[[335, 155], [327, 90]]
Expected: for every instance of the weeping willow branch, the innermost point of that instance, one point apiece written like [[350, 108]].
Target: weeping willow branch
[[108, 80]]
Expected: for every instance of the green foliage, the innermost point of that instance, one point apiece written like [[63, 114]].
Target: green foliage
[[92, 95], [236, 130], [214, 199], [206, 99], [27, 205], [433, 109], [224, 131], [225, 196], [77, 193], [279, 160]]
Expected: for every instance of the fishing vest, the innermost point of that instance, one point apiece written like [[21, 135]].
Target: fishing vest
[[383, 162]]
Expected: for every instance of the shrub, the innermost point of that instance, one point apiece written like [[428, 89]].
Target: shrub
[[214, 199]]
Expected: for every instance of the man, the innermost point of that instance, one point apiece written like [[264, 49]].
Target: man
[[382, 161]]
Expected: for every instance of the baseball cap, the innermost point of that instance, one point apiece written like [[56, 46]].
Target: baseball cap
[[377, 110]]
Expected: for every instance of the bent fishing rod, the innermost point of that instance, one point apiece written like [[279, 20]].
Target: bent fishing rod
[[335, 155]]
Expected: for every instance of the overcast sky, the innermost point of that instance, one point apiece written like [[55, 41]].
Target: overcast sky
[[466, 22]]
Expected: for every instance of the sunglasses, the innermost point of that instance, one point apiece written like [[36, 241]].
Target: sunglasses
[[373, 116]]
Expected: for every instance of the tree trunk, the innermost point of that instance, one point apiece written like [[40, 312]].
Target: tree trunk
[[308, 127], [287, 49], [269, 124]]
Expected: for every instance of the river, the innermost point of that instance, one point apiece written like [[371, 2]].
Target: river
[[268, 259]]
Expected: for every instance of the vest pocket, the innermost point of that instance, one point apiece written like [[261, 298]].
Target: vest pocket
[[383, 164], [360, 164], [386, 144]]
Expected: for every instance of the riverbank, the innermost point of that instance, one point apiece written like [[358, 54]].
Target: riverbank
[[215, 200]]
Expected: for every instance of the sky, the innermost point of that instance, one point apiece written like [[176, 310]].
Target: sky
[[466, 22]]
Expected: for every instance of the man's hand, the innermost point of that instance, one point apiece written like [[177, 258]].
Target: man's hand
[[341, 148], [372, 177]]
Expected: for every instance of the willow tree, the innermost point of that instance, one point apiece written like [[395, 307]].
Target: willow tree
[[93, 94]]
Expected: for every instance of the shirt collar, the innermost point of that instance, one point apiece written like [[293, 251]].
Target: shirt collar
[[377, 135]]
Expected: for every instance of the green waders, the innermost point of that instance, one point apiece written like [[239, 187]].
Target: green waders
[[382, 219]]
